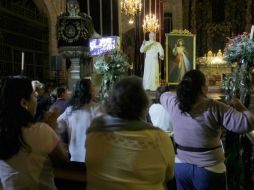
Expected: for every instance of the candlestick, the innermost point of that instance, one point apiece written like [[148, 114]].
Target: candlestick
[[150, 7], [22, 61], [155, 8], [144, 9], [251, 33]]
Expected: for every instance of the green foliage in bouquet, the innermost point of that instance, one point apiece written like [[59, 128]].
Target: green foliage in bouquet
[[239, 53], [240, 47], [112, 65]]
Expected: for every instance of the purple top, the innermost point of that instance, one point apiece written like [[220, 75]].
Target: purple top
[[202, 128]]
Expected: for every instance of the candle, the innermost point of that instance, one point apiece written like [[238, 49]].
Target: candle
[[150, 7], [144, 9], [155, 8], [22, 61], [251, 33]]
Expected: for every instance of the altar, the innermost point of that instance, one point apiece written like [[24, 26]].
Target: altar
[[214, 74], [214, 68]]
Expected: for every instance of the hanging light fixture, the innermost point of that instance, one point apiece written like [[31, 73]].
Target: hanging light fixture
[[151, 23], [131, 8]]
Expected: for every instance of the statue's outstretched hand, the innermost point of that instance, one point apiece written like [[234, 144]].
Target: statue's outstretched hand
[[161, 57]]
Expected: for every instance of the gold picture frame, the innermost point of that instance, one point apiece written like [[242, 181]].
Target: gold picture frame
[[180, 55]]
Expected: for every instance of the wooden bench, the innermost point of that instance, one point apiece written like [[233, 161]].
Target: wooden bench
[[69, 176]]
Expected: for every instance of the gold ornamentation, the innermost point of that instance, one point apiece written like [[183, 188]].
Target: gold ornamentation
[[219, 54], [209, 53], [151, 23], [131, 7], [148, 47], [176, 31]]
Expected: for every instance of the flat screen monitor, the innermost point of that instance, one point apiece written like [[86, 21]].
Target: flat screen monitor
[[98, 46]]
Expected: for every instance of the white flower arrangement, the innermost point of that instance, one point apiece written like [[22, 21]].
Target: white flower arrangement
[[240, 47], [112, 63]]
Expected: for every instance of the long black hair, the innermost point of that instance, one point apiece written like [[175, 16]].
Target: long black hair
[[12, 115], [189, 89], [128, 99], [82, 94]]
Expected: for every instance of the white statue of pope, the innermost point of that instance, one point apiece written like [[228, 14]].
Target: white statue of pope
[[153, 50]]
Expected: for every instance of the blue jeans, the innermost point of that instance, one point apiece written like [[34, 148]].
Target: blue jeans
[[191, 177]]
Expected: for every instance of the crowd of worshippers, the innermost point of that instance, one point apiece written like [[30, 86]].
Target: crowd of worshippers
[[125, 143]]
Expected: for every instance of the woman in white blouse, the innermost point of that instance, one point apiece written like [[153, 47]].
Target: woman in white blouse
[[73, 123]]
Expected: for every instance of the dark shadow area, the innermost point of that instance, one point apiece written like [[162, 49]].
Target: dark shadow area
[[71, 176]]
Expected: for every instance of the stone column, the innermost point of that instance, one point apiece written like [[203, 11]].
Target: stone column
[[74, 74], [76, 54], [73, 32], [86, 67]]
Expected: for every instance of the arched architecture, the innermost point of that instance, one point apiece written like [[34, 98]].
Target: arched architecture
[[52, 9]]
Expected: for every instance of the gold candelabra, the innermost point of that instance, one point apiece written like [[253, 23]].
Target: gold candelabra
[[151, 23], [131, 7]]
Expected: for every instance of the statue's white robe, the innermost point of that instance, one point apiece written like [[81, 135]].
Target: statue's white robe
[[151, 77]]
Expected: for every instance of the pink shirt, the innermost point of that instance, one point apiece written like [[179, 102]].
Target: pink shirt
[[31, 170]]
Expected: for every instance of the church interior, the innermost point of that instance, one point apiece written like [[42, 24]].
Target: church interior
[[62, 41]]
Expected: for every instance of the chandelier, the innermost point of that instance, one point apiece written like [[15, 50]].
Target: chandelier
[[131, 7], [151, 23]]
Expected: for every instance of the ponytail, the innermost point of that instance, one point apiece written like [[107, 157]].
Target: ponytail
[[189, 90]]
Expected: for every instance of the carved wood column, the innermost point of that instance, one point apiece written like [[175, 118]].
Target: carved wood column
[[74, 72]]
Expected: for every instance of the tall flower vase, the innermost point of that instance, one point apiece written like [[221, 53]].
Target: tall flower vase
[[238, 149], [106, 85], [245, 82], [245, 90]]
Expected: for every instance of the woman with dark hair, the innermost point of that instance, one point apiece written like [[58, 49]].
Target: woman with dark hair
[[44, 99], [197, 121], [123, 151], [26, 148], [77, 117], [62, 99]]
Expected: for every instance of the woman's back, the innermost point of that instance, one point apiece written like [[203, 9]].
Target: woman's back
[[75, 123], [123, 151], [202, 128], [126, 159], [197, 124]]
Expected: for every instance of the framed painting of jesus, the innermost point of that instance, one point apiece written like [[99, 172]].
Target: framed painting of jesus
[[180, 55]]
